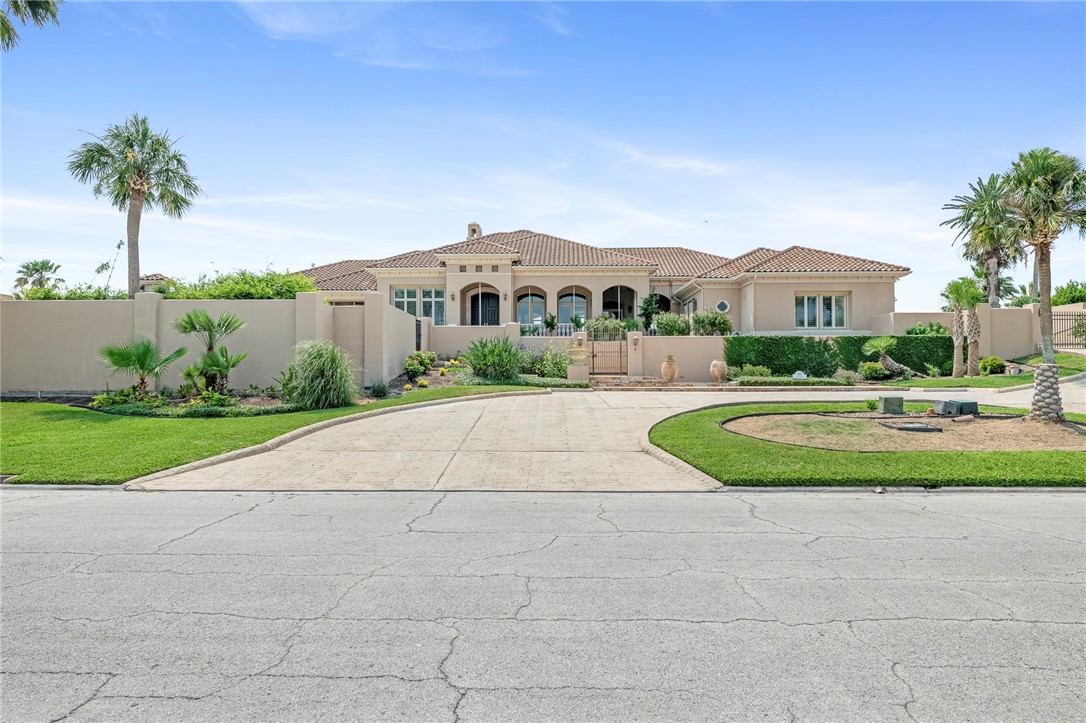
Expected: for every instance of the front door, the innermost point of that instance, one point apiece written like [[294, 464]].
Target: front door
[[485, 310]]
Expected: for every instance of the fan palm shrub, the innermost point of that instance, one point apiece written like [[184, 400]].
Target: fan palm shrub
[[882, 345], [139, 357], [213, 366]]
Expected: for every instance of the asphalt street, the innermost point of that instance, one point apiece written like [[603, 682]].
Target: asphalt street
[[820, 606]]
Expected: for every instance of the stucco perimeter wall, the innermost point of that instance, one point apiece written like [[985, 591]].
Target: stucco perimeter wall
[[1006, 333], [452, 341], [389, 338], [53, 345], [693, 354], [542, 342]]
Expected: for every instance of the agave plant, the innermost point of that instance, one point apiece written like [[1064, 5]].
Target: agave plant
[[139, 357]]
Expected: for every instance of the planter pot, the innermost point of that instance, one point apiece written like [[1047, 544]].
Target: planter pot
[[718, 370], [669, 370]]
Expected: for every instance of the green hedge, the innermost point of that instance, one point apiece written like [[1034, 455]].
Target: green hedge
[[785, 355], [789, 382]]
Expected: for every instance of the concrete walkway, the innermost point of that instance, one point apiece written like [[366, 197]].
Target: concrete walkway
[[566, 441]]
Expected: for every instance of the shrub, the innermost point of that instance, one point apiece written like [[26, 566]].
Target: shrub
[[323, 376], [748, 370], [554, 363], [79, 292], [1073, 292], [785, 355], [846, 377], [932, 370], [407, 387], [423, 384], [604, 328], [671, 324], [413, 368], [946, 368], [128, 395], [932, 328], [493, 358], [139, 357], [992, 365], [629, 323], [441, 372], [787, 382], [871, 404], [874, 370], [240, 285], [379, 388], [711, 322], [911, 351]]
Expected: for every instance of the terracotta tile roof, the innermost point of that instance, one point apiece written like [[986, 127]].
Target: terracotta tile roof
[[674, 261], [153, 277], [803, 259], [348, 275], [739, 264], [535, 249]]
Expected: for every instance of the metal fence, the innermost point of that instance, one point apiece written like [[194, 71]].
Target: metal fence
[[1069, 329]]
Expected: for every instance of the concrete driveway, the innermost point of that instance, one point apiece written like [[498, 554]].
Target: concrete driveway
[[531, 607], [565, 441]]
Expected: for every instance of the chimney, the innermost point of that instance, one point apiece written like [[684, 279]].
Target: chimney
[[474, 230]]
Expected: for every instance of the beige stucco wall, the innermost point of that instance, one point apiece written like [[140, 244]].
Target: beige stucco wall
[[53, 345], [452, 341], [774, 303], [693, 354], [349, 332]]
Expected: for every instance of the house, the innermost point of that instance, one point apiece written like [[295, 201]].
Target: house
[[524, 276], [148, 282]]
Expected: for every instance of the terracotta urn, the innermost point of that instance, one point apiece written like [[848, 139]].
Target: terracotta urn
[[669, 370], [718, 370]]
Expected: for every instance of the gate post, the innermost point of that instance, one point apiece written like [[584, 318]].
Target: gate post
[[635, 355]]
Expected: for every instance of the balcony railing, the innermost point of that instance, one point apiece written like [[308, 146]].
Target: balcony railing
[[540, 330]]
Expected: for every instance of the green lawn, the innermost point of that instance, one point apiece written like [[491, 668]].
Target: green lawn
[[1069, 364], [696, 438], [54, 443]]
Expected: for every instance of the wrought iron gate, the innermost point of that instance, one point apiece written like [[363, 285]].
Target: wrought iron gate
[[607, 352], [1069, 329]]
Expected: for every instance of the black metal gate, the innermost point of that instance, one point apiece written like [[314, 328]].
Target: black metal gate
[[418, 334], [1069, 329], [607, 352]]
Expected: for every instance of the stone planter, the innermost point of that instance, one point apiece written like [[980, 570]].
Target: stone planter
[[669, 370], [718, 370]]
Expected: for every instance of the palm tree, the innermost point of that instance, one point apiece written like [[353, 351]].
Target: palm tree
[[37, 274], [215, 367], [208, 330], [972, 331], [958, 293], [1004, 284], [139, 357], [28, 12], [882, 345], [983, 221], [134, 167], [1047, 196]]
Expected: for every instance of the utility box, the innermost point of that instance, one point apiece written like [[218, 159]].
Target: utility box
[[967, 406], [892, 405]]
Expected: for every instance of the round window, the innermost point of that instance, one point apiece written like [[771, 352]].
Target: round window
[[723, 306]]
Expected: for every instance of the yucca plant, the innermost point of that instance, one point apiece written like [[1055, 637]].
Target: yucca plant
[[323, 376], [139, 357]]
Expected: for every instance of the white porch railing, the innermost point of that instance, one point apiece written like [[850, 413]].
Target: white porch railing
[[560, 330]]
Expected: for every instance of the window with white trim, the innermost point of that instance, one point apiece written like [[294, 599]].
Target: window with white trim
[[821, 311], [433, 304], [690, 307], [406, 299]]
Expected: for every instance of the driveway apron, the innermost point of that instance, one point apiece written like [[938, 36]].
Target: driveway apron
[[556, 442]]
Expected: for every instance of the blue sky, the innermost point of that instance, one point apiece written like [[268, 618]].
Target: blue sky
[[358, 130]]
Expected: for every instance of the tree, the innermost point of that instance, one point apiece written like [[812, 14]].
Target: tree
[[1004, 285], [1073, 292], [1022, 295], [959, 293], [139, 357], [1047, 196], [882, 345], [136, 168], [38, 275], [28, 12], [984, 223], [649, 307]]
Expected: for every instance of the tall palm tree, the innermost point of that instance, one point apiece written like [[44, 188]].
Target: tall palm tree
[[1047, 196], [958, 294], [28, 12], [134, 167], [38, 274], [984, 223], [1005, 284]]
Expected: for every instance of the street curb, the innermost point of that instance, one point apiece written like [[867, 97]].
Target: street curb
[[712, 484], [275, 442], [1020, 387]]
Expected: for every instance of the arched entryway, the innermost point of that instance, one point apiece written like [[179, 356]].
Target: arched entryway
[[620, 302], [573, 301], [482, 305], [664, 303]]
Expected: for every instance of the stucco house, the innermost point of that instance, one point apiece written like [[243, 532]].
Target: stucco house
[[522, 276]]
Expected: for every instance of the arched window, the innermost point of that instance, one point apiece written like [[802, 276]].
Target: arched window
[[530, 309], [570, 305]]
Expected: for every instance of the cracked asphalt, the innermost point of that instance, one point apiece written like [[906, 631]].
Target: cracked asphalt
[[537, 606]]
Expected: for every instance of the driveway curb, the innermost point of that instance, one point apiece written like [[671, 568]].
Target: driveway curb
[[275, 442]]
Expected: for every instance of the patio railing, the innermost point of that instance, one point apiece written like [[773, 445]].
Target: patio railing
[[540, 330]]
